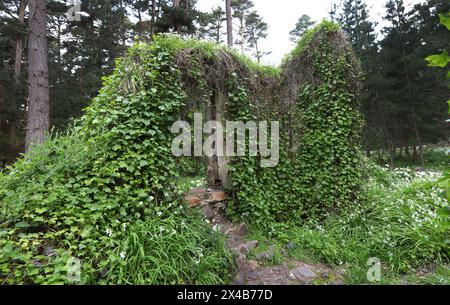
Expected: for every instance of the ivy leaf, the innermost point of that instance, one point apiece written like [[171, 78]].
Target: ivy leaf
[[22, 224], [441, 60], [445, 20]]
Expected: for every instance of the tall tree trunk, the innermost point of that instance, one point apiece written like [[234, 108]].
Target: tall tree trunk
[[19, 44], [218, 26], [229, 23], [38, 97], [17, 76], [241, 32], [153, 20], [176, 3], [419, 141], [414, 149], [413, 114], [139, 27], [391, 156], [258, 55], [407, 153]]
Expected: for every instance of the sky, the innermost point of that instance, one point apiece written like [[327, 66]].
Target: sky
[[282, 15]]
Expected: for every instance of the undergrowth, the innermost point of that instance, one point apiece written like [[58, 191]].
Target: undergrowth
[[65, 199], [399, 222]]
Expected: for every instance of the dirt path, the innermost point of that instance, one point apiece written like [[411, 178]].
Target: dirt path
[[256, 271]]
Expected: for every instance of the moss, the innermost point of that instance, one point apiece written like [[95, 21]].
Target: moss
[[324, 26]]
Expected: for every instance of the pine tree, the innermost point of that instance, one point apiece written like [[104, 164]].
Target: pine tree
[[212, 24], [38, 109], [13, 95], [303, 24], [255, 30], [241, 9], [354, 19], [229, 23], [179, 17], [400, 68]]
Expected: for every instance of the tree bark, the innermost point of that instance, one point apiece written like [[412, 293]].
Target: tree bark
[[391, 156], [419, 141], [38, 96], [19, 44], [400, 153], [153, 20], [229, 23], [17, 81], [414, 149], [176, 3], [241, 32], [139, 28]]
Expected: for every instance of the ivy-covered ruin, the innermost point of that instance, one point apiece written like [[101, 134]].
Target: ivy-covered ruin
[[114, 166]]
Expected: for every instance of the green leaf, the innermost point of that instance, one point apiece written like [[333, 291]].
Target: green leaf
[[22, 224], [445, 20], [441, 60]]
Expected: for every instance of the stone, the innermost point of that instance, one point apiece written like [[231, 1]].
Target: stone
[[193, 201], [242, 257], [325, 274], [241, 260], [242, 230], [239, 279], [253, 265], [290, 246], [198, 191], [248, 246], [305, 275], [217, 196], [37, 263], [265, 255], [48, 251], [252, 275], [220, 206], [338, 282], [207, 212]]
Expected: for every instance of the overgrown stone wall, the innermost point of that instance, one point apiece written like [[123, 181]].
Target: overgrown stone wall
[[115, 166], [314, 96]]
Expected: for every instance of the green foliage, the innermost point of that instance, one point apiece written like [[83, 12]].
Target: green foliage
[[73, 195], [170, 251], [114, 167], [303, 24], [440, 61], [308, 36], [399, 223], [323, 172], [445, 20]]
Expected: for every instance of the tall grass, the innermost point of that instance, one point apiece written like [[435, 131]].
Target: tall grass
[[397, 223], [174, 250]]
